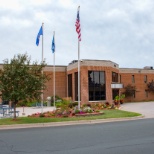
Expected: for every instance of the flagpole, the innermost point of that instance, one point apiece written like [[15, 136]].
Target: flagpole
[[78, 74], [42, 70], [78, 30], [79, 66], [54, 71]]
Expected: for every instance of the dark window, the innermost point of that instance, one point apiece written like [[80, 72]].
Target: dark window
[[70, 85], [120, 78], [115, 92], [96, 81], [134, 95], [76, 86], [145, 78], [114, 77], [133, 79]]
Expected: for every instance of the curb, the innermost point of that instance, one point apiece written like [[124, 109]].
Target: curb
[[68, 123]]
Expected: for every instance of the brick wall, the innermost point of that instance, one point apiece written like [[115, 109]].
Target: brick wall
[[60, 83], [108, 67], [141, 86], [84, 80]]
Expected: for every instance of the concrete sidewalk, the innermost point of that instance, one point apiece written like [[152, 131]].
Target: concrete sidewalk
[[31, 110], [145, 108], [25, 111]]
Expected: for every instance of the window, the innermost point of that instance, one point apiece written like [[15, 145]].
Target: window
[[134, 95], [114, 77], [115, 92], [145, 79], [96, 81], [76, 86], [70, 85], [120, 78], [133, 79]]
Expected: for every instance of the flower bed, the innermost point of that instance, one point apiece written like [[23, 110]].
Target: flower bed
[[73, 111], [59, 114]]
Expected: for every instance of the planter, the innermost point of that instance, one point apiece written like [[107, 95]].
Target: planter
[[116, 103], [121, 101]]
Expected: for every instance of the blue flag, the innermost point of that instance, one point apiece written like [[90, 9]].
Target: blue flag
[[38, 36], [53, 45]]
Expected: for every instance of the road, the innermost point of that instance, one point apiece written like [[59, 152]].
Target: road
[[135, 137]]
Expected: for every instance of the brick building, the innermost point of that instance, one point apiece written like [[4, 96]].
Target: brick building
[[100, 81]]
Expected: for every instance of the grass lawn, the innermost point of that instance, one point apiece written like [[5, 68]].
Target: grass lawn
[[107, 114]]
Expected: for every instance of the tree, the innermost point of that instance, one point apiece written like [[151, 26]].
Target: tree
[[19, 80], [130, 90], [150, 86]]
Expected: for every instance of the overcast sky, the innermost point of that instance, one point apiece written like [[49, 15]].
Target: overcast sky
[[118, 30]]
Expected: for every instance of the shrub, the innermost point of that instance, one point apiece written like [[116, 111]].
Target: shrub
[[62, 104], [58, 113], [58, 104], [107, 104], [129, 90], [27, 103], [71, 105], [66, 113], [104, 105], [77, 111], [42, 115]]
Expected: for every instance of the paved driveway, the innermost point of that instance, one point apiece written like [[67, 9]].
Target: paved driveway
[[145, 108]]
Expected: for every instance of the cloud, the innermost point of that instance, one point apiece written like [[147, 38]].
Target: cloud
[[7, 5], [121, 31]]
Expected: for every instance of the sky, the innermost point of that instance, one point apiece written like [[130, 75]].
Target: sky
[[116, 30]]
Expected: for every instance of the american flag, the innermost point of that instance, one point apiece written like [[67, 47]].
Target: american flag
[[77, 24]]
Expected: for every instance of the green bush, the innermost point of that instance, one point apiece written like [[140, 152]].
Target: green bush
[[41, 115], [87, 105], [64, 104], [30, 103], [77, 111], [58, 104], [73, 104], [26, 103]]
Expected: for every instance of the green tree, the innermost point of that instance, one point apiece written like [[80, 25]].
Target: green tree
[[20, 80]]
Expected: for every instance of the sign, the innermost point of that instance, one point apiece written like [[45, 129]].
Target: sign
[[116, 85]]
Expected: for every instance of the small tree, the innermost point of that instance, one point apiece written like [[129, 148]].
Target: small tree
[[129, 90], [150, 86], [19, 80]]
